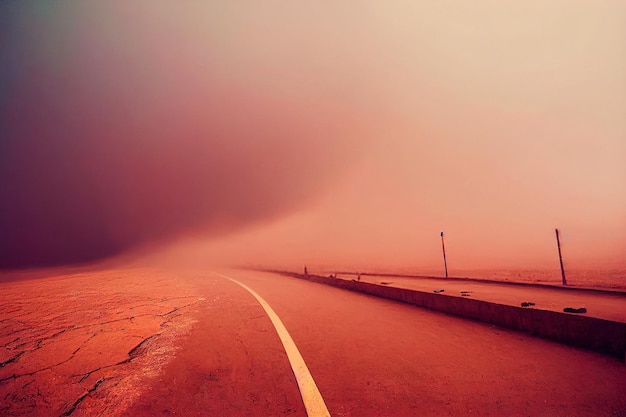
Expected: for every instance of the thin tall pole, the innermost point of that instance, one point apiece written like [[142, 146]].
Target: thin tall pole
[[558, 244], [443, 247]]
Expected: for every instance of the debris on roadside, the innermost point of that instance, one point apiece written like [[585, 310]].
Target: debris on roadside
[[580, 310]]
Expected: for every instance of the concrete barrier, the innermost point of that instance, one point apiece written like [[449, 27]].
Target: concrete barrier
[[604, 336]]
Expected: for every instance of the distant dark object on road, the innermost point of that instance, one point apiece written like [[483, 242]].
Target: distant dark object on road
[[580, 310], [527, 304]]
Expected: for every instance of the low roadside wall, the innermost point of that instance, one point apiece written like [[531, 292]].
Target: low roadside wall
[[604, 336]]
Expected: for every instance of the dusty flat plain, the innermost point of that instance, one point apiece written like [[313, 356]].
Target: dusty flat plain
[[157, 342]]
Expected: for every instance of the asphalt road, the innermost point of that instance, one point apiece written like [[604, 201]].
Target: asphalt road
[[368, 357]]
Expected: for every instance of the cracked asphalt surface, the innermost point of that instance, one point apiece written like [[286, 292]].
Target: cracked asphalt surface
[[68, 338]]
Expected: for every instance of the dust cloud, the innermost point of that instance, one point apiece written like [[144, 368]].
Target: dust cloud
[[123, 127], [311, 133]]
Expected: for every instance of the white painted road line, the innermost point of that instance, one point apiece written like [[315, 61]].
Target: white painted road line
[[313, 401]]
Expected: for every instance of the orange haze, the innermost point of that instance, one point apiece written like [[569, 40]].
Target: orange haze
[[321, 133]]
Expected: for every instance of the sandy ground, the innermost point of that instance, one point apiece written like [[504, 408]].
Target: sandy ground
[[155, 342]]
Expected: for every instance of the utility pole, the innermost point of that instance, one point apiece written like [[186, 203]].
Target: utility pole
[[558, 245], [443, 247]]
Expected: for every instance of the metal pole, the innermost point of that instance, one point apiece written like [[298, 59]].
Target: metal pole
[[558, 244], [443, 247]]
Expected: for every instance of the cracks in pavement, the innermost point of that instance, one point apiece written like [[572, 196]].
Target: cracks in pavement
[[16, 376], [169, 312], [82, 397], [138, 348], [38, 343], [11, 360], [132, 354], [63, 349], [101, 323], [175, 309], [18, 330], [6, 345]]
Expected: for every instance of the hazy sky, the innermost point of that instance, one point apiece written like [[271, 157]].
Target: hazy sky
[[348, 133]]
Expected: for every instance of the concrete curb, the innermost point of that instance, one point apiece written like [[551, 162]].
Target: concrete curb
[[599, 335]]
